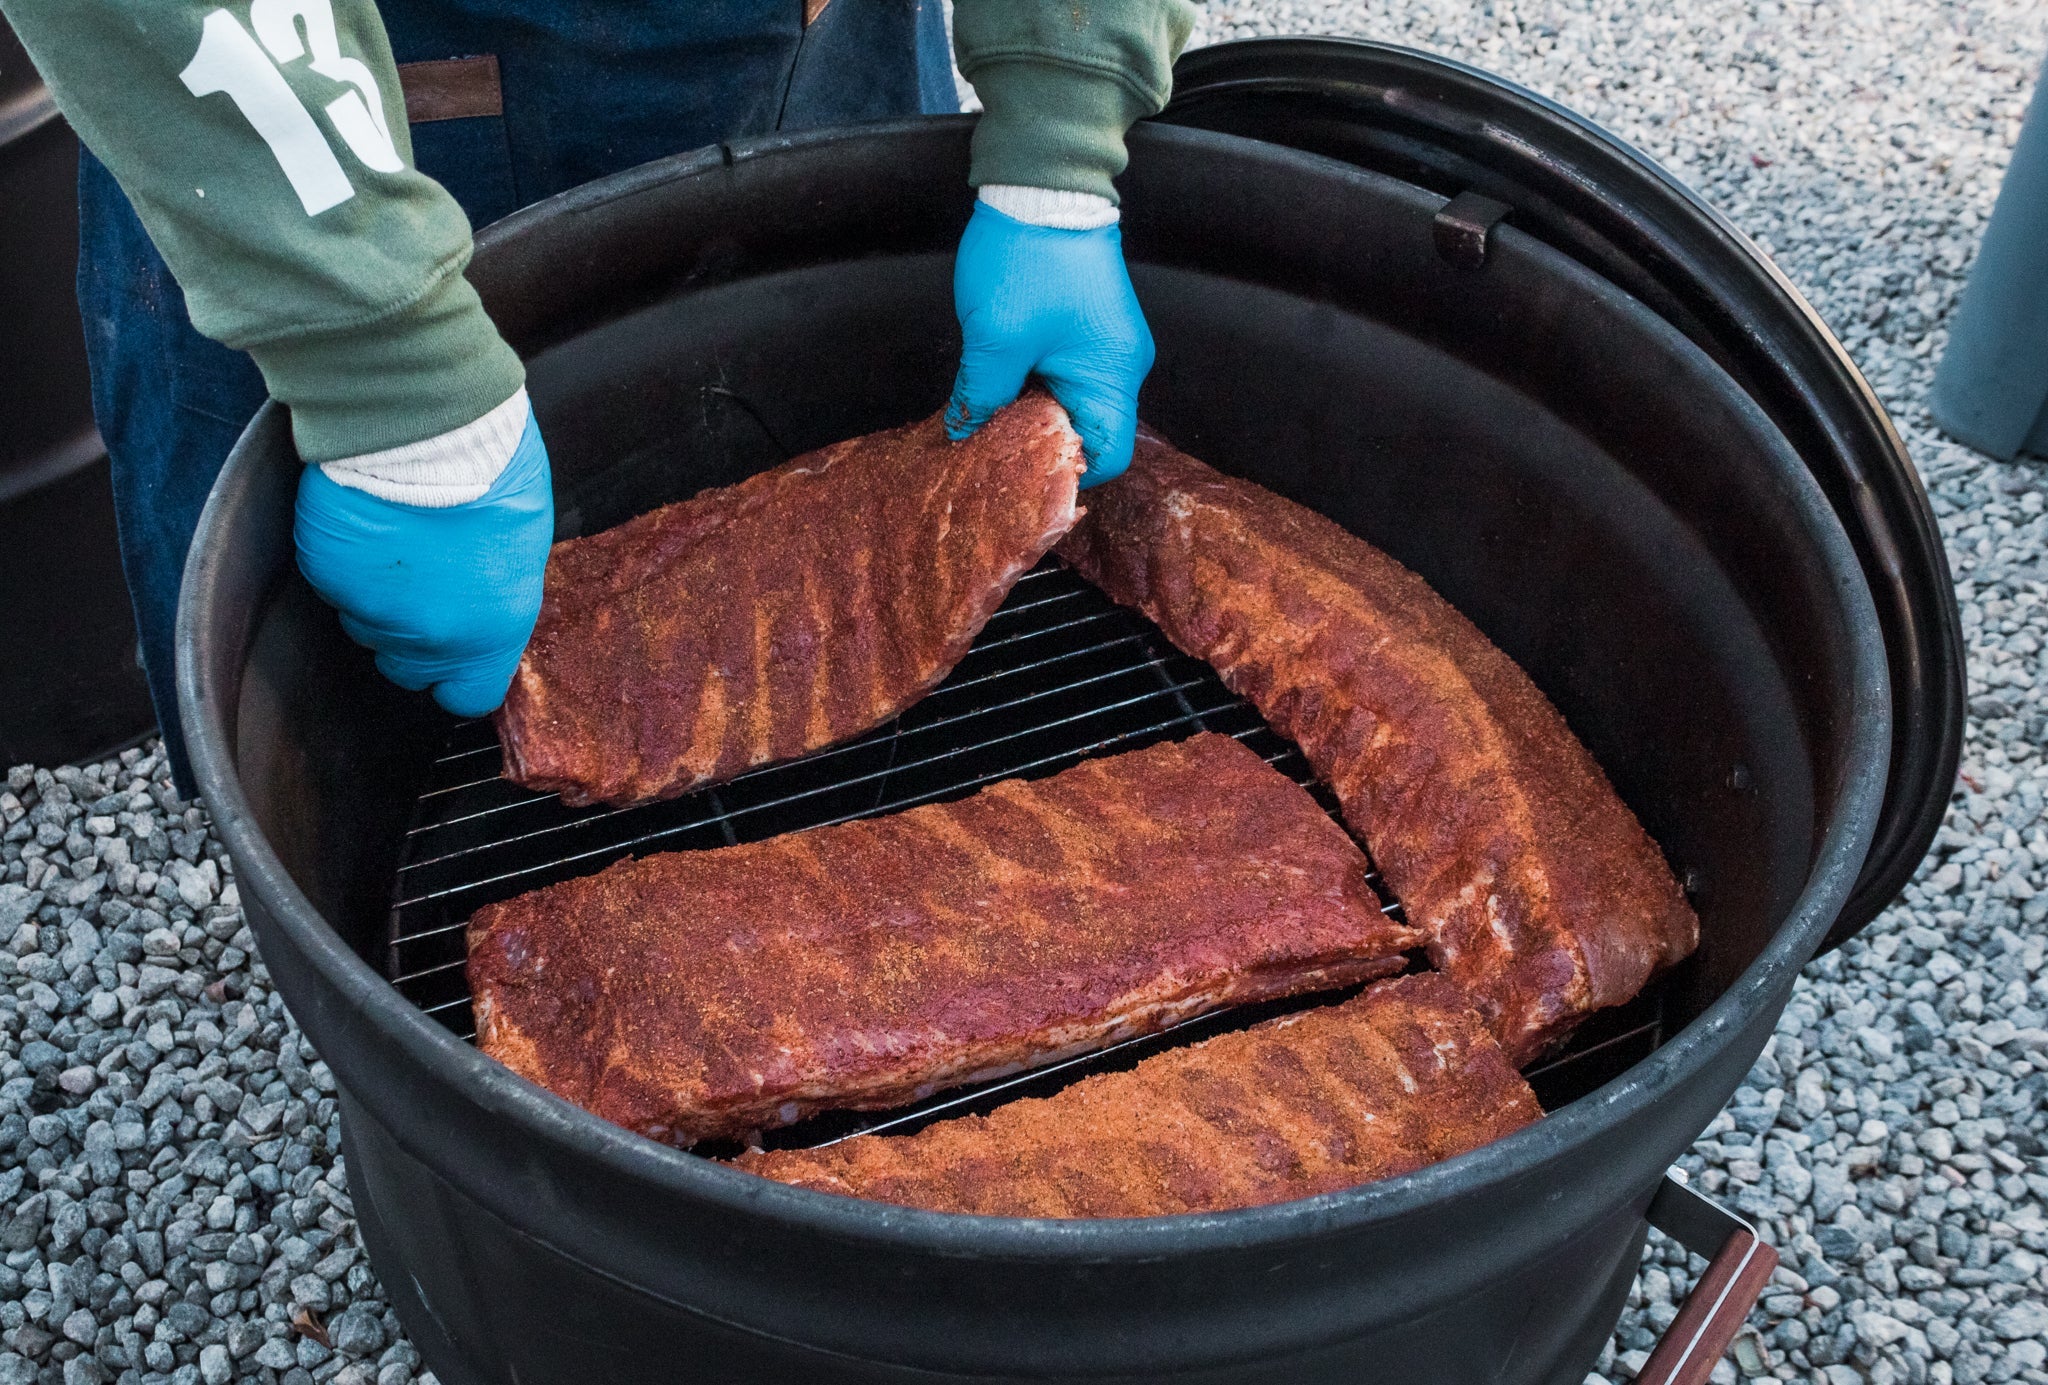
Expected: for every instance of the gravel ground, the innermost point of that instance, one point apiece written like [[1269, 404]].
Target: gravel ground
[[172, 1206]]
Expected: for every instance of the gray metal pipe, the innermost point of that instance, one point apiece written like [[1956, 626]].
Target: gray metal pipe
[[1991, 389]]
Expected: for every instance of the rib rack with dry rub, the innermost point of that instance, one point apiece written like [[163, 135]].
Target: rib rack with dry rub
[[1540, 892], [1403, 1075], [705, 994], [793, 610]]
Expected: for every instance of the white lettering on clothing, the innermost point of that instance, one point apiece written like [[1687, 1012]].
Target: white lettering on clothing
[[358, 115], [229, 61]]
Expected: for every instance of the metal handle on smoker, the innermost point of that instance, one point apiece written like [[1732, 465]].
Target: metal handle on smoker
[[1739, 1265]]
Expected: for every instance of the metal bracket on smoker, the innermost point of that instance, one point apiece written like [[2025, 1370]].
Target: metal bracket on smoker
[[1739, 1265], [1461, 228]]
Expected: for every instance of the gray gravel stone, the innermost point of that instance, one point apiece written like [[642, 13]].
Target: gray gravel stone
[[215, 1366], [356, 1333], [2023, 1322], [277, 1354]]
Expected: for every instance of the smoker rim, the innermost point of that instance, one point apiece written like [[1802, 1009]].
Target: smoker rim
[[207, 673]]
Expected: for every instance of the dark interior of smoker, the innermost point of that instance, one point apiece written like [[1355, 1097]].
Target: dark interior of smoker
[[1586, 486]]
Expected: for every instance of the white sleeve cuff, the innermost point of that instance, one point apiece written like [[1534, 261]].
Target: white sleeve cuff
[[452, 469], [1051, 207]]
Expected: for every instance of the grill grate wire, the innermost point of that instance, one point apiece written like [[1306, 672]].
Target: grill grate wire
[[1060, 673]]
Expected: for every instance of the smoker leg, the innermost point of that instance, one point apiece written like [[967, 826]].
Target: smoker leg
[[1991, 389], [1739, 1265]]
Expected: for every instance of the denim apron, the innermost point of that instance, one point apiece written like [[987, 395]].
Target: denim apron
[[551, 95]]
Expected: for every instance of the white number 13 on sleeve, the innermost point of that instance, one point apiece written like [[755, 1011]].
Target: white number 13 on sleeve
[[229, 60]]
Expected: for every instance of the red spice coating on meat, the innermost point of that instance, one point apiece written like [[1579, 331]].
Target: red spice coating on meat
[[1540, 892], [800, 607], [709, 993], [1403, 1075]]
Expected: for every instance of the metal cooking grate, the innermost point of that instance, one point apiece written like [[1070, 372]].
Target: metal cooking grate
[[1060, 673]]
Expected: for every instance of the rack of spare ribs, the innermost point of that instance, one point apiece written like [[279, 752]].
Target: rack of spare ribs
[[1162, 920]]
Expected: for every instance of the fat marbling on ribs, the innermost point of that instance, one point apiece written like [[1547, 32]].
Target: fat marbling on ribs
[[1402, 1075], [798, 608], [703, 994], [1540, 892]]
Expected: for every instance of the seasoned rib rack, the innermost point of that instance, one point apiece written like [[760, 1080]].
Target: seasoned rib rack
[[805, 605], [1059, 673], [1540, 892], [1405, 1074], [706, 994]]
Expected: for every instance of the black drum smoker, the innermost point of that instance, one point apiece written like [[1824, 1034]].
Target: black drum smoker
[[1451, 316]]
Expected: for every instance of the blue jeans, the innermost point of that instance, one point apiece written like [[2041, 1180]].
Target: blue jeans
[[588, 89]]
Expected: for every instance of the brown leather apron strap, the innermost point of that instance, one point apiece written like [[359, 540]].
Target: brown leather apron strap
[[452, 88]]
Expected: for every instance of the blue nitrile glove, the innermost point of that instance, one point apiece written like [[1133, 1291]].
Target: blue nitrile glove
[[1058, 304], [446, 596]]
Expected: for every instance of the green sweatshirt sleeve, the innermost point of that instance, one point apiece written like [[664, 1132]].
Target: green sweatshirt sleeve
[[1060, 81], [264, 144]]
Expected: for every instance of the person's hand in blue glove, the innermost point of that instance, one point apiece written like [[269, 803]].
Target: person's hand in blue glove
[[1053, 301], [433, 561]]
